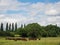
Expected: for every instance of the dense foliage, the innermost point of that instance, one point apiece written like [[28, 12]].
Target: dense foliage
[[8, 34], [33, 30]]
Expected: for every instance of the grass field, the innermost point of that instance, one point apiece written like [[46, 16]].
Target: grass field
[[43, 41]]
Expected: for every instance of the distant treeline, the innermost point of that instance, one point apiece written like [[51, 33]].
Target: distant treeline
[[33, 30], [8, 30], [8, 27]]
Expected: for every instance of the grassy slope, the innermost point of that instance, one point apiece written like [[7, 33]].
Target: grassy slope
[[43, 41]]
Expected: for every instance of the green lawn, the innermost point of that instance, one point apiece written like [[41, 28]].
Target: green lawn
[[43, 41]]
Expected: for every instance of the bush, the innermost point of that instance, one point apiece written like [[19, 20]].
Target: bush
[[22, 32], [11, 34], [3, 33]]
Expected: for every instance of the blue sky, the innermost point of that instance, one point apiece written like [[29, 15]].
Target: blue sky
[[35, 1], [43, 12]]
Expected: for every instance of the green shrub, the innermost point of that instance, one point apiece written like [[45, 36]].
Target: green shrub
[[3, 33]]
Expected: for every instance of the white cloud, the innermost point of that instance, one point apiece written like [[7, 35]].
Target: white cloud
[[51, 12], [51, 19], [2, 16], [35, 12]]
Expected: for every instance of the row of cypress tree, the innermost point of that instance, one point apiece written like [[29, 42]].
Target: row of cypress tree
[[9, 27]]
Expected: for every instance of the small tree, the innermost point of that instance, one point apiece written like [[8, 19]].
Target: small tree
[[2, 27], [24, 25], [15, 26], [12, 26], [21, 26], [22, 32], [6, 26]]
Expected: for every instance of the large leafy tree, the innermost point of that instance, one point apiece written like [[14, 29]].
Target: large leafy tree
[[33, 30], [52, 30]]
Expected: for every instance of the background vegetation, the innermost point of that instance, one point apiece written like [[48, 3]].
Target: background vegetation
[[33, 30]]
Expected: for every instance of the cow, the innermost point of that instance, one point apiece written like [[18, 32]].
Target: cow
[[9, 38], [39, 38], [32, 38], [16, 38]]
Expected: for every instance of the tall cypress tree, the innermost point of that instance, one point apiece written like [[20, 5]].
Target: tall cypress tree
[[21, 26], [12, 26], [6, 26], [15, 26], [2, 27]]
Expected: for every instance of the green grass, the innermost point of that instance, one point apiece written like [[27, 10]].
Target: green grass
[[43, 41]]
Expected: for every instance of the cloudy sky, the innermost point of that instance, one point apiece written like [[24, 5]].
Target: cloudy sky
[[43, 12]]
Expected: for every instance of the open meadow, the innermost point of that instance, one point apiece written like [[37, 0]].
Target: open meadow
[[43, 41]]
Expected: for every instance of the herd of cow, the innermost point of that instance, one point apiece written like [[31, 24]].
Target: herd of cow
[[20, 38]]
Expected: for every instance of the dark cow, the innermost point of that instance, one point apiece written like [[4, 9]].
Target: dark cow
[[21, 38], [39, 38], [9, 38], [32, 38], [16, 38]]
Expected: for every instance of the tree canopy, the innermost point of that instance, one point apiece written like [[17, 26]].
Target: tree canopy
[[33, 30]]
